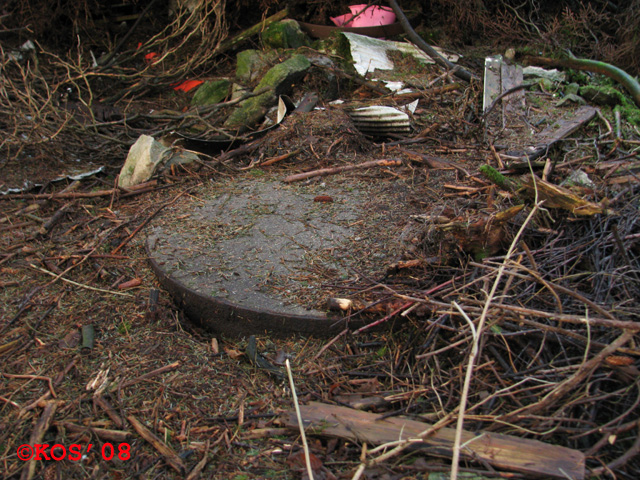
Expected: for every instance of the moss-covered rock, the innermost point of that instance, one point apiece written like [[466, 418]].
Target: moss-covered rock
[[601, 95], [571, 89], [284, 34], [284, 75], [209, 93], [279, 80], [251, 64], [338, 46]]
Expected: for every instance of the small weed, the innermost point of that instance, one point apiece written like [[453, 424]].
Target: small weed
[[256, 172], [124, 327]]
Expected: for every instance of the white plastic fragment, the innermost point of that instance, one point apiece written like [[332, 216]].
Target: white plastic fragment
[[380, 120], [147, 156], [579, 178], [17, 55], [554, 75], [371, 53]]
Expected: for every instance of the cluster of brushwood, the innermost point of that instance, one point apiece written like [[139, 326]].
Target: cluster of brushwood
[[96, 24], [602, 30], [598, 29]]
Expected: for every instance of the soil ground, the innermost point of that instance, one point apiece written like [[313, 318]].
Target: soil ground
[[89, 350]]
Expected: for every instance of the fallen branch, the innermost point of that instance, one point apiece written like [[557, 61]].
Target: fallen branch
[[36, 437], [136, 190], [104, 434], [502, 451], [157, 371], [100, 401], [335, 170], [197, 470], [167, 452], [49, 224], [457, 70]]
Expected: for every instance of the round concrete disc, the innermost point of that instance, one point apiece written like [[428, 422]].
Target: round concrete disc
[[256, 255]]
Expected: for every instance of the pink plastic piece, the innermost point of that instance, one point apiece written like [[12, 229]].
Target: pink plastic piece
[[340, 20], [372, 16], [365, 16]]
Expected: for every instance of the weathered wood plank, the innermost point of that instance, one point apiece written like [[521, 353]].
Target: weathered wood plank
[[560, 129], [501, 451], [492, 81], [511, 76], [500, 77]]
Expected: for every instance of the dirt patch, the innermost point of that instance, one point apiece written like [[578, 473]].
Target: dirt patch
[[323, 136]]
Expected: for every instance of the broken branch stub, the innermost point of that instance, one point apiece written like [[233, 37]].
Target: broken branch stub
[[555, 196]]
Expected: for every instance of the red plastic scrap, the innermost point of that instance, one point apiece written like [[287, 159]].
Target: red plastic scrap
[[186, 85]]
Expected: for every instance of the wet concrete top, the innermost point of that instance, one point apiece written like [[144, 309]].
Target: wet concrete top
[[256, 253]]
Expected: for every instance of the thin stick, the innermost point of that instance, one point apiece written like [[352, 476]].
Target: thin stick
[[457, 70], [81, 285], [382, 320], [271, 161], [572, 382], [156, 372], [333, 340], [346, 168], [359, 471], [34, 377], [148, 219], [107, 59], [622, 460], [307, 458]]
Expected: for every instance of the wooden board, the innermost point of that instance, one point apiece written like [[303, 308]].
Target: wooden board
[[501, 451], [500, 77], [492, 81], [560, 129]]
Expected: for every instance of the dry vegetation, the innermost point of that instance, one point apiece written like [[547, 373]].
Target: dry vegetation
[[547, 307]]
